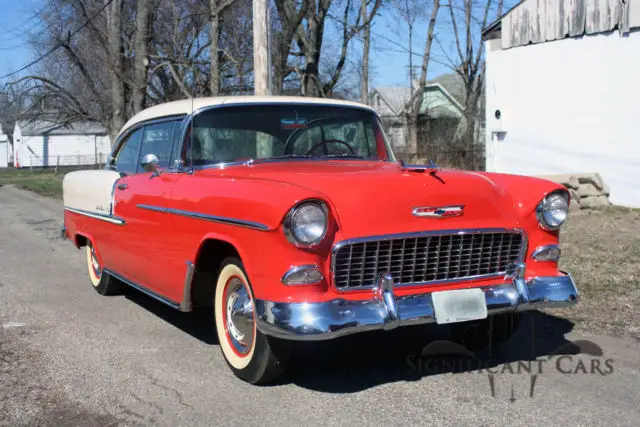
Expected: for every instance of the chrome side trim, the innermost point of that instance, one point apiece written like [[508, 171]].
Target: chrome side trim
[[142, 289], [331, 319], [103, 217], [206, 217], [384, 237], [187, 305]]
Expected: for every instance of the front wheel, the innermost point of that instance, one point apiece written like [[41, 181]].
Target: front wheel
[[251, 355]]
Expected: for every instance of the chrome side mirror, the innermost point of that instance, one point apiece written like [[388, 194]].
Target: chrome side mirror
[[149, 163]]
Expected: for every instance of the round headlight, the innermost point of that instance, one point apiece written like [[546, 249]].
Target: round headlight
[[553, 210], [308, 223]]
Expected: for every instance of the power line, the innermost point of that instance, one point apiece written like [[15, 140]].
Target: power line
[[59, 45]]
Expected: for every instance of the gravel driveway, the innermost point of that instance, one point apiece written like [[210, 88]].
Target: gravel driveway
[[71, 357]]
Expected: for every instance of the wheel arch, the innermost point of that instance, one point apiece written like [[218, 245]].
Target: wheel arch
[[212, 251]]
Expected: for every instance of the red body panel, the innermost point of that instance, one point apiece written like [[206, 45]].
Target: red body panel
[[365, 199]]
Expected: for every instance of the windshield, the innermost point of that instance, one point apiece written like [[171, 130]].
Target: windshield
[[272, 132]]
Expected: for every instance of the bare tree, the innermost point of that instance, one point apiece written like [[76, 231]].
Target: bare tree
[[141, 65], [415, 104], [216, 8], [468, 18], [116, 66], [308, 36], [410, 11]]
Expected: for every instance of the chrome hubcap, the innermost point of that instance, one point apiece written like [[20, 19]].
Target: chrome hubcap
[[94, 261], [239, 311]]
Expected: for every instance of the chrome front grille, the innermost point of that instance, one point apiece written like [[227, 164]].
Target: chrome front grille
[[429, 257]]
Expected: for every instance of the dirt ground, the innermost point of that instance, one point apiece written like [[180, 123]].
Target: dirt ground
[[601, 249]]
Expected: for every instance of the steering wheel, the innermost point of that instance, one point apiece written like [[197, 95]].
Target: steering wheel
[[334, 141]]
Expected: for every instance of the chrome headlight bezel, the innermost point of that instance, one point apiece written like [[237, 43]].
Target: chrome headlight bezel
[[290, 219], [541, 210]]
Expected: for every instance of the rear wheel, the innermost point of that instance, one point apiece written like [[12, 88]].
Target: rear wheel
[[101, 281], [251, 355]]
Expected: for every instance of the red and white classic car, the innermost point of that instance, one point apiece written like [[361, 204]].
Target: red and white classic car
[[292, 218]]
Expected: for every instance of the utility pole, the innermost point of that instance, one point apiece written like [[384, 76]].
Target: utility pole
[[261, 68], [260, 49]]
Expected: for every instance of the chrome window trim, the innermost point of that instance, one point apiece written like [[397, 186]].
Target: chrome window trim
[[124, 134], [385, 237], [206, 217], [103, 217], [189, 119], [298, 268]]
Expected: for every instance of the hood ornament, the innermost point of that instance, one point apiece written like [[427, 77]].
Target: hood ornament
[[438, 211]]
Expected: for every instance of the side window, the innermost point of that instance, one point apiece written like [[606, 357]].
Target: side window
[[127, 158], [158, 140]]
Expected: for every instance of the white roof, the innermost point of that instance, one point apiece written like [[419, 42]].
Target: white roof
[[187, 106]]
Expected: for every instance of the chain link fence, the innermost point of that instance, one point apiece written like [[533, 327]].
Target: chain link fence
[[65, 162]]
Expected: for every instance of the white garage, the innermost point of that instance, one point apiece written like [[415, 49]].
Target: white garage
[[43, 144], [4, 149], [562, 85]]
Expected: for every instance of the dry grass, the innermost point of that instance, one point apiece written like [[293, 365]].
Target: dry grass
[[44, 182], [601, 249]]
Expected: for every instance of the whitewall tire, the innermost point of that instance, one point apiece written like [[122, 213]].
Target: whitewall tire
[[251, 355]]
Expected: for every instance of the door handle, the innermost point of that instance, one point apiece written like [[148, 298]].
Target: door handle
[[123, 186]]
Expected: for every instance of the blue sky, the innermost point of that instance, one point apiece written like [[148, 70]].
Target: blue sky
[[389, 59]]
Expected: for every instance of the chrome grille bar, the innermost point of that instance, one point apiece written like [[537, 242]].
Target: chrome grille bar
[[426, 257]]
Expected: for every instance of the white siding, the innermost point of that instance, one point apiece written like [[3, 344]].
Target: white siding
[[568, 106], [62, 150], [4, 154]]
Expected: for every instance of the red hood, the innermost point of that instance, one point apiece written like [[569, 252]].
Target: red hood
[[378, 197]]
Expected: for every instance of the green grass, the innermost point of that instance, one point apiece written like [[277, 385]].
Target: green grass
[[42, 181]]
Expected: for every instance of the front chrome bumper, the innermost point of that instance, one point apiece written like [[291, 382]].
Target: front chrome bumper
[[327, 320]]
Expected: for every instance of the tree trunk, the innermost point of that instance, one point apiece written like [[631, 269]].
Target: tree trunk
[[214, 34], [366, 45], [416, 103], [114, 34], [143, 22]]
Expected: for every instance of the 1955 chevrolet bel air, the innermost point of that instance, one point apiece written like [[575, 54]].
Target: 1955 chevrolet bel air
[[292, 219]]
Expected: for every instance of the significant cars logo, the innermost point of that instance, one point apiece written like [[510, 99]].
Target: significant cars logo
[[438, 212]]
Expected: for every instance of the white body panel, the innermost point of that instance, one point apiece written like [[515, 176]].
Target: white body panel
[[89, 191], [567, 106]]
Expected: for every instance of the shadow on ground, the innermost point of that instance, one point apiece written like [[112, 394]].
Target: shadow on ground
[[358, 362], [198, 323]]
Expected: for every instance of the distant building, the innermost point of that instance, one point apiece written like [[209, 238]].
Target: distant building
[[42, 144], [392, 104], [562, 91], [4, 150]]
